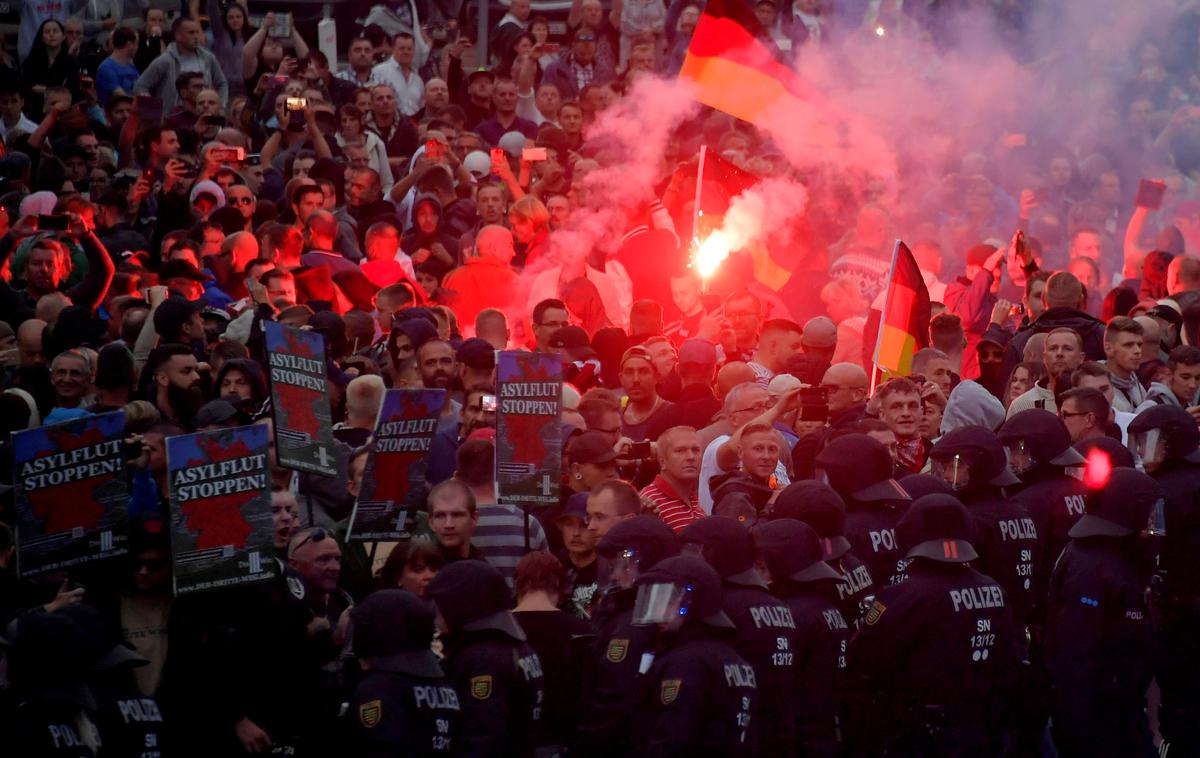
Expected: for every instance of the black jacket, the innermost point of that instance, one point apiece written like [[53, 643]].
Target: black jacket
[[394, 714], [1090, 328]]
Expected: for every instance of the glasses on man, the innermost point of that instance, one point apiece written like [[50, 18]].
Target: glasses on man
[[316, 535], [760, 407], [1064, 415]]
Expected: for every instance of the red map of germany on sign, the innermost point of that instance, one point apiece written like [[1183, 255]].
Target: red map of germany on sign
[[298, 402], [67, 506], [218, 521], [524, 432], [391, 469]]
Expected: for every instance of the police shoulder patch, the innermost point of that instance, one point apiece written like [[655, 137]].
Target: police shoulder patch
[[370, 713], [876, 612], [481, 687], [617, 650], [670, 690]]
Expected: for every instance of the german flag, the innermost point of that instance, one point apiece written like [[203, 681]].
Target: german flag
[[904, 321], [733, 69]]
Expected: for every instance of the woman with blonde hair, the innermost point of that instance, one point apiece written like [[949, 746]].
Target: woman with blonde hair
[[530, 224]]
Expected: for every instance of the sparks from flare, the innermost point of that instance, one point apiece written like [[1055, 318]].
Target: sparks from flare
[[711, 253]]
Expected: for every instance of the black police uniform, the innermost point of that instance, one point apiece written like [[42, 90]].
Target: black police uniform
[[802, 580], [1177, 593], [766, 628], [697, 696], [817, 505], [860, 470], [1099, 636], [404, 706], [932, 667], [611, 674], [497, 676], [1007, 538]]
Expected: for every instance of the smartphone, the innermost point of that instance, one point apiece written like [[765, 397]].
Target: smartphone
[[498, 157], [228, 154], [1017, 310], [433, 149], [213, 120], [149, 109], [533, 154], [488, 403], [133, 449], [640, 450], [53, 223], [282, 26], [1150, 194], [551, 48], [297, 103], [149, 176], [814, 404]]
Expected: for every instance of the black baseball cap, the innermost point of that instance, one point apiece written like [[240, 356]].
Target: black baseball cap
[[172, 313], [591, 447], [477, 354], [181, 269], [574, 340]]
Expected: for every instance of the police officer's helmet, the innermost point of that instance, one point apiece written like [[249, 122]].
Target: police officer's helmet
[[646, 536], [693, 592], [1037, 437], [792, 550], [860, 468], [1124, 507], [726, 546], [920, 485], [937, 527], [473, 596], [1176, 426], [983, 453], [817, 505], [47, 657], [1118, 455], [393, 630]]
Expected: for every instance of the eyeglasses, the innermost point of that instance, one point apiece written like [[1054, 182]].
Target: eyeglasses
[[761, 407], [316, 535], [241, 201]]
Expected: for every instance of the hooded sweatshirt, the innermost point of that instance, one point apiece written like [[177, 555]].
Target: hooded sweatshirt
[[1161, 394], [972, 405], [159, 78]]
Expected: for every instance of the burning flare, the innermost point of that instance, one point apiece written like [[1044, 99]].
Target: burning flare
[[711, 253]]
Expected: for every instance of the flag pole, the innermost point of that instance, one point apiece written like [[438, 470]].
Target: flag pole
[[887, 293], [697, 213]]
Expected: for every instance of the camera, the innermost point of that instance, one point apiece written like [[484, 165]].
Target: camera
[[814, 404]]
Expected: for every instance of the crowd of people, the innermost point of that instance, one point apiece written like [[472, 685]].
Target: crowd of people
[[762, 546]]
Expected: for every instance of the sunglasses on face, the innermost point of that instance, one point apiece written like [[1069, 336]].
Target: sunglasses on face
[[316, 535]]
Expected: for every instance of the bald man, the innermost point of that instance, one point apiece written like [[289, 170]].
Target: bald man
[[29, 342], [321, 232], [846, 386], [1151, 339], [242, 246]]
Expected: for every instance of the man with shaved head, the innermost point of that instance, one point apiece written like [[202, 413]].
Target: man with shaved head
[[1064, 301], [321, 231], [846, 386]]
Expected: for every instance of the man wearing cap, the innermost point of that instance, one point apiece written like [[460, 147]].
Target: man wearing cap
[[1099, 634], [1167, 443], [497, 676], [931, 670], [639, 379], [766, 627], [698, 693], [860, 469], [404, 703], [791, 554], [476, 364], [579, 66], [697, 404], [779, 341], [579, 556], [673, 496]]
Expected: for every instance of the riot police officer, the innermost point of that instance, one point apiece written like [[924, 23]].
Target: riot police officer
[[817, 505], [972, 461], [53, 710], [859, 469], [630, 547], [766, 628], [404, 705], [1039, 453], [497, 676], [932, 667], [1099, 638], [697, 695], [130, 721], [794, 560], [1167, 441]]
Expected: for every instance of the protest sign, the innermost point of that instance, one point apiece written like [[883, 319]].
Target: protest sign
[[528, 428], [72, 500], [393, 485], [220, 489], [300, 399]]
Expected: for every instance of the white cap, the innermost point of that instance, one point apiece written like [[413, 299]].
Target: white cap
[[513, 143], [478, 163]]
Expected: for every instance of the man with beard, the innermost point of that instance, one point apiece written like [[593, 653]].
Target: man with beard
[[173, 383], [438, 366], [1062, 354]]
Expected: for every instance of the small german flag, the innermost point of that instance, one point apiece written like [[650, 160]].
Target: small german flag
[[904, 322], [733, 69]]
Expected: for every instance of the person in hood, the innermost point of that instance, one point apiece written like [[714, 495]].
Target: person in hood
[[792, 556], [973, 462], [1167, 442], [971, 404], [498, 677], [1041, 456], [859, 469], [1099, 635], [426, 238], [698, 694], [628, 549], [766, 628], [921, 678], [1064, 300], [1182, 388]]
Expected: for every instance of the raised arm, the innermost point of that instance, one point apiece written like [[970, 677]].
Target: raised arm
[[253, 47]]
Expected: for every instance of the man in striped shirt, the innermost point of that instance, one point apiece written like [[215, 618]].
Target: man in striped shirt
[[673, 496], [500, 531]]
